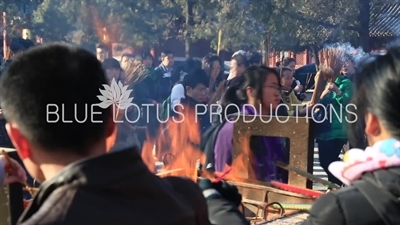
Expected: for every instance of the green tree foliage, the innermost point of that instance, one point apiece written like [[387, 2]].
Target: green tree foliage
[[134, 22], [15, 19], [289, 24]]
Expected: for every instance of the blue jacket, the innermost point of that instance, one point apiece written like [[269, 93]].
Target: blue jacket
[[163, 82]]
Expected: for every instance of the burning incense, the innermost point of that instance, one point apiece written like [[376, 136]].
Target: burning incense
[[11, 164], [221, 177], [31, 190], [168, 172], [331, 63]]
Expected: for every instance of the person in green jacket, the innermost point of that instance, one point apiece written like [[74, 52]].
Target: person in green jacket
[[331, 135]]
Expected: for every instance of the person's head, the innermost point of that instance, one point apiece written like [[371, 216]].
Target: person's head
[[377, 87], [348, 65], [49, 98], [254, 58], [289, 63], [258, 85], [195, 84], [113, 69], [102, 52], [167, 58], [147, 59], [124, 60], [197, 63], [211, 63], [239, 63], [189, 65], [286, 78]]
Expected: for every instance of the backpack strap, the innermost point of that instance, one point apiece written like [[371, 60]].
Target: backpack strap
[[384, 203]]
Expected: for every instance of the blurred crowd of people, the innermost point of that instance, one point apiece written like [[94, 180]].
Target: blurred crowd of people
[[84, 185]]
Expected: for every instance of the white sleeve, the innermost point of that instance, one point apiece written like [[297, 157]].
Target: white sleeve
[[298, 83], [177, 93]]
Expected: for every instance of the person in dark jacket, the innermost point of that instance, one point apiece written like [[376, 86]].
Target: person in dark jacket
[[373, 174], [254, 58], [164, 73], [139, 79], [195, 84], [80, 183]]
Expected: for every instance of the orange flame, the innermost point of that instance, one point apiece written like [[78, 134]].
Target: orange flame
[[107, 32], [177, 148]]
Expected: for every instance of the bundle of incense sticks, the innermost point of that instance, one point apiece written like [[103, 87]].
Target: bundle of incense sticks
[[331, 60], [28, 188]]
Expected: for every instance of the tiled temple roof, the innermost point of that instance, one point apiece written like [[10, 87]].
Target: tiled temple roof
[[384, 20]]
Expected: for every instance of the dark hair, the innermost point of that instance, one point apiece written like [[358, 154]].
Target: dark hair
[[254, 77], [20, 44], [166, 53], [189, 65], [287, 61], [146, 54], [102, 46], [197, 63], [111, 63], [195, 77], [62, 75], [254, 58], [207, 61], [278, 64], [241, 60], [377, 85], [128, 55], [284, 69]]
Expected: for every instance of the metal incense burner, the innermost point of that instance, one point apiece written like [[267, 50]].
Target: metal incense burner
[[262, 201]]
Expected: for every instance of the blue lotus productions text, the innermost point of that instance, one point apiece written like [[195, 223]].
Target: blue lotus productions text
[[213, 112]]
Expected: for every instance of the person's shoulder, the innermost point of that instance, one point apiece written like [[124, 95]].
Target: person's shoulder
[[325, 208], [185, 187], [178, 87], [342, 79], [181, 182], [55, 207], [329, 207], [157, 68], [225, 135]]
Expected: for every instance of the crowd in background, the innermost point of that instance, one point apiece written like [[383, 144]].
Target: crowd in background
[[248, 82], [83, 184]]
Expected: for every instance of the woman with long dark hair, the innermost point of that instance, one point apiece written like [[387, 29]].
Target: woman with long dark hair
[[257, 93], [373, 174]]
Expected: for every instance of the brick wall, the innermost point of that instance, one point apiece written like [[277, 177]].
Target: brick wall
[[302, 58]]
